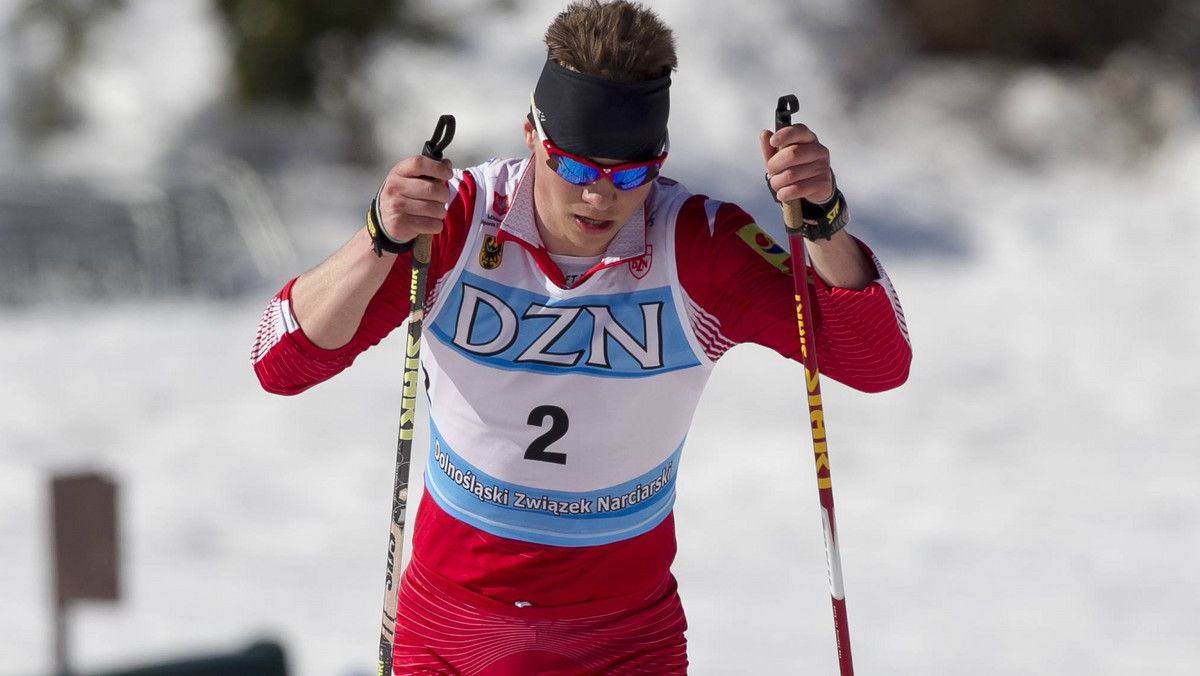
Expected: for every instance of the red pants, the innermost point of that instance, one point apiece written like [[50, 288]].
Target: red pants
[[447, 630]]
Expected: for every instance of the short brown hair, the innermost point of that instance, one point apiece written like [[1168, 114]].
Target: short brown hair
[[618, 40]]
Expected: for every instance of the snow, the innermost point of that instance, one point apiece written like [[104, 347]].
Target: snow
[[1025, 504]]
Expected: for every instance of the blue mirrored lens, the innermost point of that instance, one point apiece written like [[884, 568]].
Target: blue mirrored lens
[[628, 179], [576, 173]]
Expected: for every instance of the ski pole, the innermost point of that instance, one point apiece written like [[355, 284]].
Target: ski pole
[[422, 248], [793, 219]]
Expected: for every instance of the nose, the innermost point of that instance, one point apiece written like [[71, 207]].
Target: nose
[[600, 194]]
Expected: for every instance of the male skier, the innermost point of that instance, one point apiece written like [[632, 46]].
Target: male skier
[[578, 300]]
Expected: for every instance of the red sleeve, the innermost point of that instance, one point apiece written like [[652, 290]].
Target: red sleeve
[[740, 290], [287, 362]]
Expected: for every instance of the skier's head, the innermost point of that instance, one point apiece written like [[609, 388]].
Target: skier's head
[[616, 40], [604, 90], [598, 121]]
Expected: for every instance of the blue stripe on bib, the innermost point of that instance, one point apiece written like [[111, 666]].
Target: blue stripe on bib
[[569, 519]]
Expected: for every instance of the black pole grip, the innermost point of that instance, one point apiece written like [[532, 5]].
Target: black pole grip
[[788, 105], [443, 134]]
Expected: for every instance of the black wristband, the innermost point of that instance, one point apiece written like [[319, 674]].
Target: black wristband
[[820, 221], [380, 238], [824, 220]]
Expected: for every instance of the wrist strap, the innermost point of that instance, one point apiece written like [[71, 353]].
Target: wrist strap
[[826, 219], [380, 239], [820, 221]]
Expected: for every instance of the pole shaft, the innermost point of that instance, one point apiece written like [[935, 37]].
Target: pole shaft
[[816, 416], [408, 409]]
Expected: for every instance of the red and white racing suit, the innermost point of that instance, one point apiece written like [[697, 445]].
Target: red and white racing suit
[[558, 416]]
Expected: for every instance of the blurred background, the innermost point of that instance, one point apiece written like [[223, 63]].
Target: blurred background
[[1026, 170]]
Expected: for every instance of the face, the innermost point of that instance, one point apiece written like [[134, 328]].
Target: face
[[578, 220]]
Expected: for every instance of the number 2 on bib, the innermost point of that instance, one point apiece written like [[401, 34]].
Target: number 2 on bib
[[558, 428]]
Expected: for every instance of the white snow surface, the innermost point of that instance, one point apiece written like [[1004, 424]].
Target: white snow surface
[[1025, 504]]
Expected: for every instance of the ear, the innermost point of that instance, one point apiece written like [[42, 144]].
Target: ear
[[531, 138]]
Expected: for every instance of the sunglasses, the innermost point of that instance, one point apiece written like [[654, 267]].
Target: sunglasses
[[582, 171]]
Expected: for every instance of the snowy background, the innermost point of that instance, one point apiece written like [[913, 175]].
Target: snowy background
[[1026, 504]]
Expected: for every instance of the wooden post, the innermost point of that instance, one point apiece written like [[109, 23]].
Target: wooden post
[[84, 514]]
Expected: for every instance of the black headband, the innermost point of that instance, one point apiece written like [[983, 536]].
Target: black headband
[[596, 117]]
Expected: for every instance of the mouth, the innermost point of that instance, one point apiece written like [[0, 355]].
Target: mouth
[[593, 224]]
